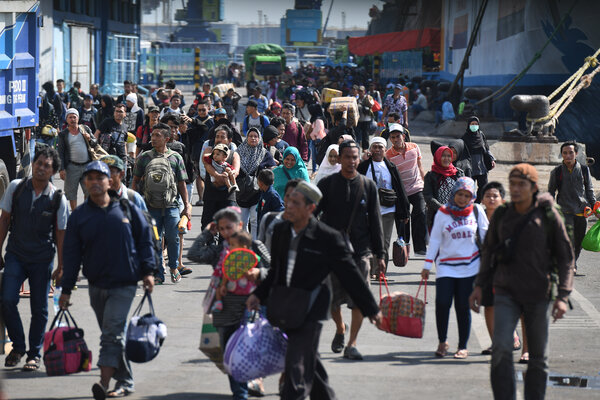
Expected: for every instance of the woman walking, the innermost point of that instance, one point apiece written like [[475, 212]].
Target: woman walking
[[457, 232], [438, 182], [292, 168], [482, 161], [253, 158]]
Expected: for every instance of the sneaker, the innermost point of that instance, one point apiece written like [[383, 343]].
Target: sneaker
[[337, 344], [352, 353], [99, 391], [217, 306]]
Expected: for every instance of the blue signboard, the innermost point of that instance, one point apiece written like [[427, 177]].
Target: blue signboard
[[304, 19]]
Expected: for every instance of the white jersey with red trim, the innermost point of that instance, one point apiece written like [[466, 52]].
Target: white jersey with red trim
[[452, 244]]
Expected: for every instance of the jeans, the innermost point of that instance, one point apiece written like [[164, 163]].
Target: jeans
[[537, 318], [15, 273], [249, 214], [111, 307], [167, 220], [458, 289], [576, 227], [417, 223], [239, 389], [312, 148]]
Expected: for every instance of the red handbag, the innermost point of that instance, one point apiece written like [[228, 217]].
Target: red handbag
[[403, 314]]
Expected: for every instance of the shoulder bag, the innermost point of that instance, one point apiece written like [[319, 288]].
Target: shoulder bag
[[387, 197], [95, 151]]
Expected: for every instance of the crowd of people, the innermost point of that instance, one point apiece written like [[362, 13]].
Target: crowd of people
[[308, 190]]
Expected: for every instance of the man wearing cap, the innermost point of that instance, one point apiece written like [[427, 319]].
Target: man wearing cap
[[304, 252], [36, 213], [144, 132], [112, 132], [87, 113], [394, 205], [115, 247], [350, 204], [397, 103], [525, 244], [406, 156], [117, 173], [74, 155], [254, 118]]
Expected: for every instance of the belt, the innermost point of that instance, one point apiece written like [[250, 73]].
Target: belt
[[78, 163]]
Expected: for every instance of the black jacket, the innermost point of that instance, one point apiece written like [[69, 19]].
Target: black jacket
[[402, 203], [339, 197], [431, 193], [64, 152], [332, 137], [321, 250]]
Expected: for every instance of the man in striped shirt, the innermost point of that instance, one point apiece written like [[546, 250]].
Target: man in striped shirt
[[407, 158]]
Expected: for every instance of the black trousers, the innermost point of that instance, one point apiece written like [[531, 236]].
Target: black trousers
[[576, 227], [481, 180], [417, 222], [211, 207], [305, 375]]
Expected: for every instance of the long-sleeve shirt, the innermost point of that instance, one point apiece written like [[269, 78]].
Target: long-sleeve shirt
[[574, 192], [339, 197], [294, 136], [114, 251], [452, 244], [526, 275]]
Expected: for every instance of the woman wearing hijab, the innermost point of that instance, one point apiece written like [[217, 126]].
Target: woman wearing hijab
[[482, 161], [457, 232], [460, 155], [253, 158], [107, 109], [330, 164], [438, 182], [292, 168], [315, 132]]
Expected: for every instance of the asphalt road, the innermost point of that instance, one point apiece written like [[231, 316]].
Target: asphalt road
[[393, 367]]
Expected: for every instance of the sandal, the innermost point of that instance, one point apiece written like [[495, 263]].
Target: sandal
[[524, 358], [32, 364], [184, 270], [255, 388], [442, 350], [119, 392], [516, 343], [461, 354], [175, 276], [487, 351], [13, 358]]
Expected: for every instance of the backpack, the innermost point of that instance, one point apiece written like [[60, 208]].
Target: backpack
[[145, 334], [156, 241], [262, 122], [160, 188]]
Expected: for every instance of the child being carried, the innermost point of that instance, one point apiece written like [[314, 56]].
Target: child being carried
[[218, 161]]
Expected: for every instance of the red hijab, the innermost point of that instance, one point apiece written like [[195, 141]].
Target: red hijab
[[450, 170]]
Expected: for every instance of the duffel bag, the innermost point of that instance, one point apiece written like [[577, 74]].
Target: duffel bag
[[403, 314], [65, 351]]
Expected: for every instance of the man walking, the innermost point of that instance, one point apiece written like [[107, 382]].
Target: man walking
[[526, 243], [304, 252], [575, 191], [294, 133], [117, 173], [115, 247], [74, 155], [392, 196], [350, 204], [36, 213], [160, 175], [253, 118], [112, 133], [407, 158], [396, 103]]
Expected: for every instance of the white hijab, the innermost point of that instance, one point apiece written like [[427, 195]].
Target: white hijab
[[326, 169], [132, 97]]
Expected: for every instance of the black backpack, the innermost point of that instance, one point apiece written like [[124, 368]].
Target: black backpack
[[156, 242]]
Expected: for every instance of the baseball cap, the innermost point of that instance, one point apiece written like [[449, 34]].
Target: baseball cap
[[222, 147], [398, 86], [350, 144], [113, 161], [88, 97], [153, 109], [395, 128], [98, 166], [220, 111], [524, 171]]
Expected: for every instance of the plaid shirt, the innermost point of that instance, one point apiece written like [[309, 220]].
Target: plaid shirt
[[396, 106]]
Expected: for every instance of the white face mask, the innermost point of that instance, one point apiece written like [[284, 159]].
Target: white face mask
[[474, 128]]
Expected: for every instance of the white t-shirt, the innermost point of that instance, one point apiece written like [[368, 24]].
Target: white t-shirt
[[77, 148], [255, 123], [383, 180]]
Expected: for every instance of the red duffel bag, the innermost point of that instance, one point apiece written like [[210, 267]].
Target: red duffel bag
[[403, 314]]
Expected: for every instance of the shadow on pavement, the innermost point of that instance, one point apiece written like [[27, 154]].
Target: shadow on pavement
[[190, 396], [409, 358]]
